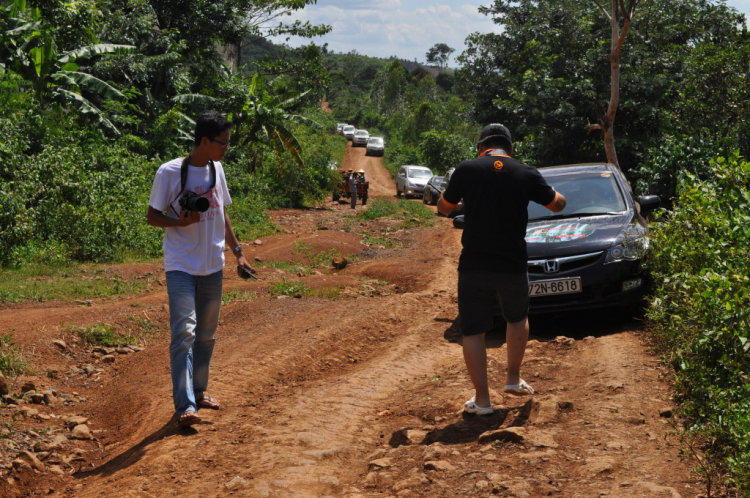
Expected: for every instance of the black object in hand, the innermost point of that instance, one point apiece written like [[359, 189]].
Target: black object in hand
[[190, 201], [246, 273]]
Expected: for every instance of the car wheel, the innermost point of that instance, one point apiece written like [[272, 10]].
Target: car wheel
[[398, 192]]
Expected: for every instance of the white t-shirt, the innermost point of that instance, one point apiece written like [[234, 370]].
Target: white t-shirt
[[197, 249]]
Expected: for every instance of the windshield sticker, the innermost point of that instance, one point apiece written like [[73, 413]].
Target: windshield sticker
[[606, 175], [559, 233]]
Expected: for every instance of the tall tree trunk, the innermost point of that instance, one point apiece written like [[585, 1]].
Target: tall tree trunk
[[606, 119]]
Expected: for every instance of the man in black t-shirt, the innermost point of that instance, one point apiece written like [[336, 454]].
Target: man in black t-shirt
[[495, 190]]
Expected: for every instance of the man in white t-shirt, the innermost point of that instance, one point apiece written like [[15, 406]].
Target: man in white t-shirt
[[189, 198]]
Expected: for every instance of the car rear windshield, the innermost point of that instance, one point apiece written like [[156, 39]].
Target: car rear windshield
[[419, 173], [588, 193]]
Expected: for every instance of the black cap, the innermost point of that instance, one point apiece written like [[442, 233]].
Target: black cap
[[495, 130]]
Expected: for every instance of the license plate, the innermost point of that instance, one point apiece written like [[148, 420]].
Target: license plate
[[558, 286]]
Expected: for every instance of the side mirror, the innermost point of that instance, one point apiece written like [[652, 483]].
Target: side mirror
[[648, 203]]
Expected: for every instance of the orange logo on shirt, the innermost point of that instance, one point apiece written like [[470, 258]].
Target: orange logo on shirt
[[499, 165]]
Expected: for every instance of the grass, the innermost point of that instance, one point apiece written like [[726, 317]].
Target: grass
[[42, 283], [102, 334], [12, 362], [312, 257], [413, 213], [316, 258], [372, 240], [284, 266], [237, 295], [292, 289]]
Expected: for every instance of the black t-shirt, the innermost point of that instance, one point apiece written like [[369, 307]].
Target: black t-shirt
[[496, 190]]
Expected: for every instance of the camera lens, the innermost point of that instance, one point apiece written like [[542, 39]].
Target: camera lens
[[201, 205], [194, 202]]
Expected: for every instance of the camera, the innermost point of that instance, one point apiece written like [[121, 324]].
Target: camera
[[246, 273], [190, 201]]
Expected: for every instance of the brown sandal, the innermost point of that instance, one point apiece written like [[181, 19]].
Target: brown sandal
[[208, 402]]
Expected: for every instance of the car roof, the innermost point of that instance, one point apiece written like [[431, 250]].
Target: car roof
[[414, 166], [563, 169]]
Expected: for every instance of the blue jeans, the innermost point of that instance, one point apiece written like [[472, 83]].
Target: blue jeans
[[194, 305]]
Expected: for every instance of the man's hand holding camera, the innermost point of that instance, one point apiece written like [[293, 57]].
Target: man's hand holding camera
[[187, 218]]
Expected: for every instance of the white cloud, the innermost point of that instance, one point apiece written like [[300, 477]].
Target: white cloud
[[382, 28], [404, 28]]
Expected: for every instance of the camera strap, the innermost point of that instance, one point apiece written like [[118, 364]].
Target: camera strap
[[184, 174], [183, 179]]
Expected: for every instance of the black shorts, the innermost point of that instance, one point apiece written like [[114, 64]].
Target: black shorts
[[479, 293]]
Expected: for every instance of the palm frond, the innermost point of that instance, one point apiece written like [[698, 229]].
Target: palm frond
[[88, 110], [294, 100], [98, 49], [194, 99], [24, 28], [92, 83]]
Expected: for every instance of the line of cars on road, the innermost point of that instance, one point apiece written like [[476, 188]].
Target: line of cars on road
[[587, 256], [374, 146]]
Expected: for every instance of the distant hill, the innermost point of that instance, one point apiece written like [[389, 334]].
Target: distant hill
[[255, 49]]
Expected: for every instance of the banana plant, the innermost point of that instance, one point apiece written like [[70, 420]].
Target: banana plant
[[264, 119], [55, 76]]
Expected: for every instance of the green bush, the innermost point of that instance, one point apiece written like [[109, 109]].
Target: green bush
[[700, 311], [667, 162], [402, 209]]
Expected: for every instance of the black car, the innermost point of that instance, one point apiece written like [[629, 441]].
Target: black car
[[589, 254], [432, 190]]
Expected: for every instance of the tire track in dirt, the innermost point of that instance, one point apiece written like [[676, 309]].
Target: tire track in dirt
[[294, 441]]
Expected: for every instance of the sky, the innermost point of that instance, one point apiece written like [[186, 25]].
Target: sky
[[404, 28]]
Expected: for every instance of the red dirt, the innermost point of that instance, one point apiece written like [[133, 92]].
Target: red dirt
[[354, 396]]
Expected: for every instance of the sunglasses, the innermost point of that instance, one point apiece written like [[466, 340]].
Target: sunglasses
[[223, 144]]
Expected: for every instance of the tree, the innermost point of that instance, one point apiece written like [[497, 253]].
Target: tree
[[442, 151], [30, 50], [439, 54], [263, 121], [544, 73], [388, 91], [620, 18], [204, 23]]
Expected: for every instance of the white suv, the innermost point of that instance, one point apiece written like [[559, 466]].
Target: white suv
[[411, 180], [348, 132], [360, 138]]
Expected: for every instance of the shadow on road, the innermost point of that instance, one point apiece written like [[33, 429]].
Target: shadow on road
[[134, 454], [543, 328], [470, 427]]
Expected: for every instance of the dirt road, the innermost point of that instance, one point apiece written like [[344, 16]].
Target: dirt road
[[351, 395]]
